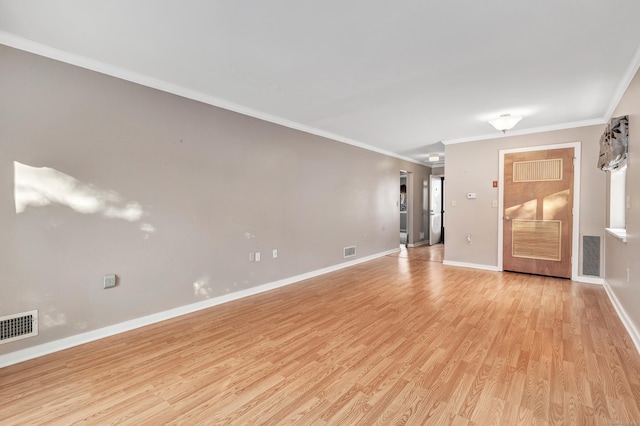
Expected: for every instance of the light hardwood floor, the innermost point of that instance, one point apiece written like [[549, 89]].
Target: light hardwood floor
[[399, 340]]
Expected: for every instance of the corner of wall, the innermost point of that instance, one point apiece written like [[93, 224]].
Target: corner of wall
[[633, 331]]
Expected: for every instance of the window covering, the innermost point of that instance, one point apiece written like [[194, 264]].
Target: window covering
[[614, 144]]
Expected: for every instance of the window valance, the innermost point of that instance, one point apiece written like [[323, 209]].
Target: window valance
[[614, 144]]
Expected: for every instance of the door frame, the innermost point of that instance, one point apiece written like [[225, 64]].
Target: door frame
[[442, 205], [575, 239], [409, 175]]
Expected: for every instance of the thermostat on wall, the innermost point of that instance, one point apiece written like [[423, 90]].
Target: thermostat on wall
[[471, 195]]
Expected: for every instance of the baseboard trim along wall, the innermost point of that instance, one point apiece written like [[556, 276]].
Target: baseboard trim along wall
[[634, 333], [418, 244], [579, 278], [588, 280], [90, 336], [471, 265]]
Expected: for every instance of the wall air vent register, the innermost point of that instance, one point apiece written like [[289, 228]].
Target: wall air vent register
[[18, 326]]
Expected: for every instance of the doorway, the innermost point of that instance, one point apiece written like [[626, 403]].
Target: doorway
[[538, 210], [436, 209], [404, 208]]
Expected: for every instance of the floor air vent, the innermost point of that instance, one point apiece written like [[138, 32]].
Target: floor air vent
[[18, 326], [591, 255], [349, 251]]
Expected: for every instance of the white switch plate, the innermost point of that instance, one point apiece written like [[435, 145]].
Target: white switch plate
[[494, 203], [275, 253], [109, 280], [252, 257], [257, 256], [471, 195]]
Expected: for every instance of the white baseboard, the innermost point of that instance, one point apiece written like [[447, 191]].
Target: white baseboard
[[418, 244], [90, 336], [579, 278], [634, 333], [588, 280], [471, 265]]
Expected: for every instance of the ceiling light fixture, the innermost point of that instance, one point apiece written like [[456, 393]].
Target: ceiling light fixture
[[505, 122], [434, 158]]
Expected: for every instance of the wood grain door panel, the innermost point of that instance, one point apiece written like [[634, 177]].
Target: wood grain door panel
[[538, 204]]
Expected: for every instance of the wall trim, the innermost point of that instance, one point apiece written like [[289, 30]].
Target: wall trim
[[530, 131], [634, 333], [471, 265], [103, 68], [93, 335], [418, 244], [623, 85], [588, 280]]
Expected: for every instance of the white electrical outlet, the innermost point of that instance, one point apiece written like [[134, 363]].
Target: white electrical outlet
[[257, 256], [494, 203], [109, 280], [274, 253], [468, 238]]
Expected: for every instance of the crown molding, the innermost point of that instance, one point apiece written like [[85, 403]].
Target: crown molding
[[623, 85], [533, 130], [50, 52], [40, 49], [633, 68]]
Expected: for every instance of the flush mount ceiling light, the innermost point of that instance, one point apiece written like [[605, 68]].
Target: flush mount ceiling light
[[434, 158], [505, 122]]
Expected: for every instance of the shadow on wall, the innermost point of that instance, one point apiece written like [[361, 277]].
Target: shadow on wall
[[43, 186]]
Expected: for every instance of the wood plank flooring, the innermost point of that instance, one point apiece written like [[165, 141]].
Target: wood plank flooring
[[399, 340]]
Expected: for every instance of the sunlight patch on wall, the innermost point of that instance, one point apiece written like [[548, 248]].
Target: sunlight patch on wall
[[148, 229], [43, 186], [54, 319], [202, 288]]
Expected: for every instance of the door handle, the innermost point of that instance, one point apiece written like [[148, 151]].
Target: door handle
[[507, 218]]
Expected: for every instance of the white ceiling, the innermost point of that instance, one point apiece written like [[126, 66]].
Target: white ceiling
[[396, 77]]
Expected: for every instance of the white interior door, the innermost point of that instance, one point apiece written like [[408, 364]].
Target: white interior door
[[425, 210], [435, 210]]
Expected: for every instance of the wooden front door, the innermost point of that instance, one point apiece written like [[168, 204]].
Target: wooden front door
[[538, 212]]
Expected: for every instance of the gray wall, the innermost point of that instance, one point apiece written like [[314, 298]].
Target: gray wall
[[620, 256], [437, 170], [98, 175], [473, 166]]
